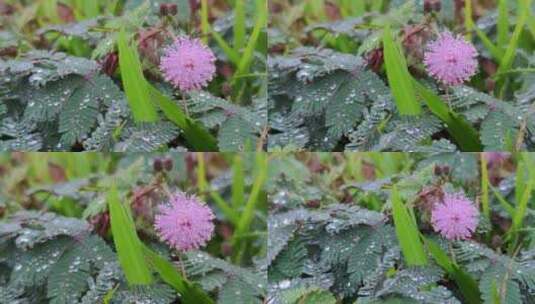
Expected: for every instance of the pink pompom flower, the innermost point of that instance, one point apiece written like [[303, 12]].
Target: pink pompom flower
[[185, 223], [451, 60], [188, 64], [456, 217]]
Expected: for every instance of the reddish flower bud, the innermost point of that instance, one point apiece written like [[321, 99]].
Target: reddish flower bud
[[110, 63]]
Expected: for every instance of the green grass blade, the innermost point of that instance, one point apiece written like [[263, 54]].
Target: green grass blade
[[531, 26], [485, 187], [508, 207], [462, 132], [518, 216], [468, 21], [91, 9], [231, 214], [520, 181], [189, 292], [134, 83], [247, 214], [494, 51], [127, 243], [523, 13], [522, 206], [466, 283], [232, 54], [398, 76], [503, 23], [377, 5], [407, 232], [238, 182], [239, 25], [247, 57], [116, 7], [196, 135], [205, 23]]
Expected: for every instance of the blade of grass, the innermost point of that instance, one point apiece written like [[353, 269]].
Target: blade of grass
[[238, 184], [398, 76], [407, 232], [523, 13], [468, 21], [521, 70], [377, 5], [508, 207], [247, 214], [247, 56], [485, 187], [523, 189], [232, 54], [494, 51], [202, 184], [134, 83], [91, 9], [116, 7], [520, 180], [189, 292], [196, 135], [231, 214], [239, 25], [462, 132], [205, 24], [315, 9], [531, 26], [521, 208], [503, 23], [127, 243], [466, 283]]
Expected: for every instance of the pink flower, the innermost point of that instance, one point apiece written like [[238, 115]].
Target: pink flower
[[451, 60], [185, 223], [188, 64], [456, 217]]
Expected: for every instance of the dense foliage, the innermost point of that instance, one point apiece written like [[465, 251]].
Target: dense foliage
[[62, 241], [329, 89], [340, 224], [84, 75]]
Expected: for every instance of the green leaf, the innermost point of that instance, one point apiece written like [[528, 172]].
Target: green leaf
[[134, 83], [461, 131], [290, 262], [398, 75], [237, 134], [128, 246], [198, 137], [236, 291], [498, 131], [80, 113], [468, 285], [189, 293], [146, 137], [407, 232]]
